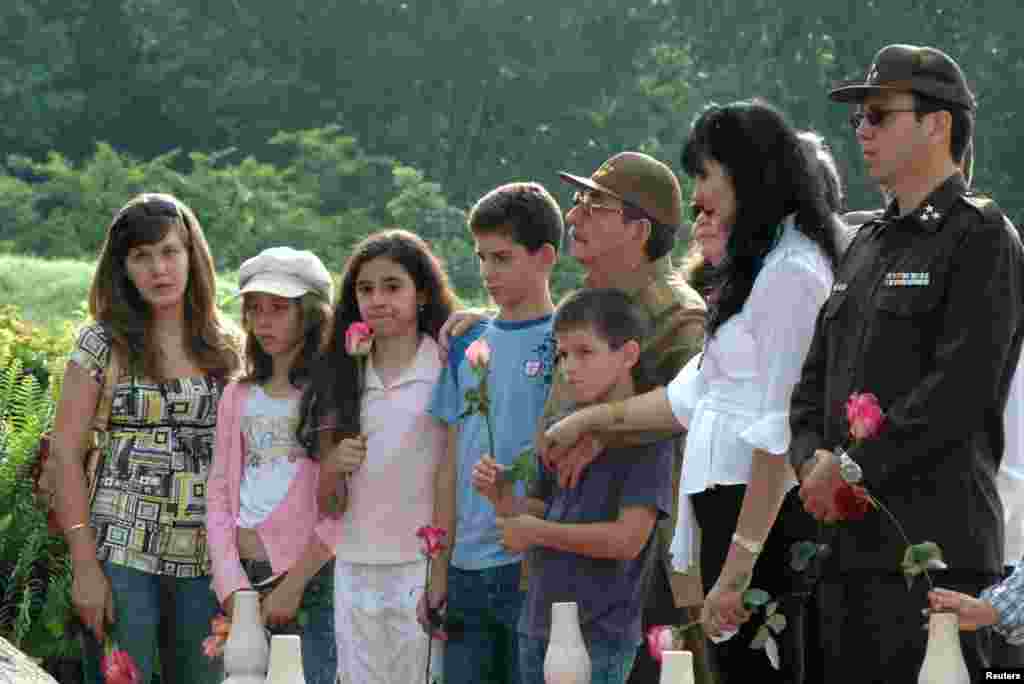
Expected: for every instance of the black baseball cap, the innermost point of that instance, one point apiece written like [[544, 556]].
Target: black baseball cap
[[925, 70]]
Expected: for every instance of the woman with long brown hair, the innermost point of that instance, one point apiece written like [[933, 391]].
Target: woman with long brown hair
[[137, 542]]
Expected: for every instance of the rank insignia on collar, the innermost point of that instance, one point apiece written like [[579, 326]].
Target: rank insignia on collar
[[838, 287], [930, 213], [911, 279]]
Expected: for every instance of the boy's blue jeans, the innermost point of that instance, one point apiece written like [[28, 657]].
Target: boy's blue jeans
[[483, 618], [142, 601], [610, 661]]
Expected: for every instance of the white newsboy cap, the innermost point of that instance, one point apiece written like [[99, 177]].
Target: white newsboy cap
[[286, 272]]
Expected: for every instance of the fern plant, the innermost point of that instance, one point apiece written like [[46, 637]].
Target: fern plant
[[35, 570]]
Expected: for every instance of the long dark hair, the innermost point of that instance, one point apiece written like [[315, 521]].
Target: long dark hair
[[773, 176], [115, 302], [332, 396], [316, 318]]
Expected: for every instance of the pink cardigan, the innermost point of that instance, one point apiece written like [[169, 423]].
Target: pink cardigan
[[289, 528]]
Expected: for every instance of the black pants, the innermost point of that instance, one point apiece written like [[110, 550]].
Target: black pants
[[660, 609], [871, 624], [733, 661]]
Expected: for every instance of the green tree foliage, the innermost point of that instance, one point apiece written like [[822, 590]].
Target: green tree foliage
[[330, 97]]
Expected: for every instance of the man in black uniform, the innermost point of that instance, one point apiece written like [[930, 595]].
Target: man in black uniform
[[926, 313]]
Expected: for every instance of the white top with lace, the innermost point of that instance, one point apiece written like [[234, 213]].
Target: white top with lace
[[736, 399]]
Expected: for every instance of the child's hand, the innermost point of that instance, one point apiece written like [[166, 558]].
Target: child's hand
[[973, 612], [487, 479], [517, 532], [458, 323], [430, 610], [349, 455]]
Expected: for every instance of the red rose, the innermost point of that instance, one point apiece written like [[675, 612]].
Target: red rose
[[852, 502], [433, 540], [119, 668]]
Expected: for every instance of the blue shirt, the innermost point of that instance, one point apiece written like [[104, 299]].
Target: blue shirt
[[609, 593], [522, 361], [1007, 598]]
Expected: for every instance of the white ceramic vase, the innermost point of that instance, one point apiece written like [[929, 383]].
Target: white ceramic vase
[[676, 667], [943, 658], [246, 652], [285, 660], [566, 660]]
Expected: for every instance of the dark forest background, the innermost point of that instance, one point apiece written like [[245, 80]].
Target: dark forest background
[[314, 122]]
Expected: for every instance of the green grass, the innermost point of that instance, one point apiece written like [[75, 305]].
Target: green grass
[[50, 291], [47, 291]]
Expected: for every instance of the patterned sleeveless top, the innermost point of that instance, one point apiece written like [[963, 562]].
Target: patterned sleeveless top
[[149, 511]]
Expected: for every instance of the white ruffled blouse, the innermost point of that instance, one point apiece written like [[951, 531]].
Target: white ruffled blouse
[[737, 398]]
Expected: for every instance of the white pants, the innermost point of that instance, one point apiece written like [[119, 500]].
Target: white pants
[[379, 639]]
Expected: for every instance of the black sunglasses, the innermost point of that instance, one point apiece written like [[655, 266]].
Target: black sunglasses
[[875, 117]]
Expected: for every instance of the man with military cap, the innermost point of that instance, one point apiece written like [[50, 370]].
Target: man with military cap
[[926, 314], [623, 225]]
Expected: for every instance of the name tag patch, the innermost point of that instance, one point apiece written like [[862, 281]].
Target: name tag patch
[[909, 279]]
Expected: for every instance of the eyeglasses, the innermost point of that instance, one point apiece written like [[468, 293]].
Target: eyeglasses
[[585, 199], [875, 117]]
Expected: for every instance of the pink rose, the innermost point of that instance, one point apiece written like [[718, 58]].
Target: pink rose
[[864, 415], [433, 540], [213, 647], [660, 638], [119, 668], [220, 626], [478, 354], [359, 339]]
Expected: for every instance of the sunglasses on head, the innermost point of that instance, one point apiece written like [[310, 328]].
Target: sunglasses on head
[[874, 117], [585, 199], [151, 207]]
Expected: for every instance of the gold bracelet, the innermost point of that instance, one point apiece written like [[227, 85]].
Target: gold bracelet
[[79, 526], [618, 410], [748, 545]]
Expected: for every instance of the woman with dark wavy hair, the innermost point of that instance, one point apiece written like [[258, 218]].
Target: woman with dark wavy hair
[[137, 542], [767, 240]]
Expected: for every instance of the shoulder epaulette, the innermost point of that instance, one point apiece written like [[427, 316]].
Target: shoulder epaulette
[[986, 206]]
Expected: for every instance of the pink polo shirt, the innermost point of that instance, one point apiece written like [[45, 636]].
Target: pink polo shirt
[[392, 494]]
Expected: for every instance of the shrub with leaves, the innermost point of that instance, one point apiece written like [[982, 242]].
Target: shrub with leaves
[[35, 570]]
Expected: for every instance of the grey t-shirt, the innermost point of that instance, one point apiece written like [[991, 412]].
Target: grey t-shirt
[[609, 593]]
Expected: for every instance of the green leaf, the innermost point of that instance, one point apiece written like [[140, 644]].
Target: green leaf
[[760, 637], [771, 649], [524, 468], [55, 627], [801, 554], [755, 598], [5, 522], [918, 558], [776, 622], [920, 554]]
